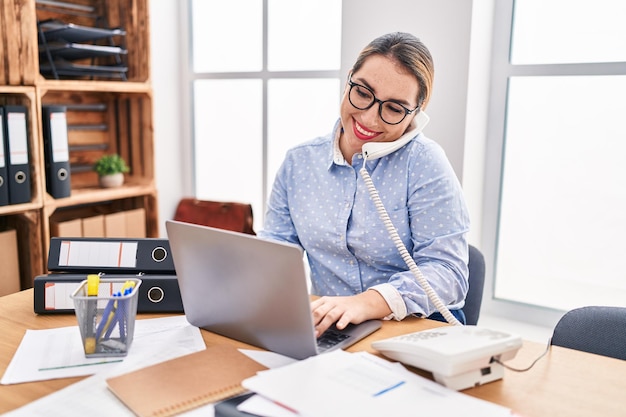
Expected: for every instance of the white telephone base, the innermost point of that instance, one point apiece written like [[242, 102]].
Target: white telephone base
[[459, 357]]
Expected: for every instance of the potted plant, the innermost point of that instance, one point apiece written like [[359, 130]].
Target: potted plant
[[111, 169]]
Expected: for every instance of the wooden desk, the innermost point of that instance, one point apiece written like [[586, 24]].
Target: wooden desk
[[563, 383]]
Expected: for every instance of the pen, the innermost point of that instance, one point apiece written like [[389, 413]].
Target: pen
[[123, 308], [119, 314], [93, 282], [381, 392], [54, 368], [108, 316]]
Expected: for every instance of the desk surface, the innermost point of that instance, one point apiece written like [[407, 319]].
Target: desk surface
[[563, 383]]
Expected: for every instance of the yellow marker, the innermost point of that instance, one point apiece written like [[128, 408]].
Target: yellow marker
[[90, 345], [93, 282]]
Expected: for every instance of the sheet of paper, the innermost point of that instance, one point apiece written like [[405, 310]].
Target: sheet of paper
[[362, 385], [164, 338], [269, 359], [58, 353], [263, 407]]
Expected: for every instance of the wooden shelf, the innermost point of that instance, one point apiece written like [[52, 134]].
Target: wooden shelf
[[18, 208], [106, 116], [95, 86], [18, 89], [96, 195]]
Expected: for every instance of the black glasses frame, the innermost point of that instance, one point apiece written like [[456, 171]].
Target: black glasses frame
[[380, 102]]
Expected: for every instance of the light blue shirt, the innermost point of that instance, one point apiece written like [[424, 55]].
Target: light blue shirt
[[321, 203]]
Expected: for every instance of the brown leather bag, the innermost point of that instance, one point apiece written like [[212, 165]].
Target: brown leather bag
[[222, 215]]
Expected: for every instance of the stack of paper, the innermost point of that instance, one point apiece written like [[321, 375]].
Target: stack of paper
[[360, 384]]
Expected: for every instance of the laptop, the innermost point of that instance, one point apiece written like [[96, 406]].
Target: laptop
[[251, 290]]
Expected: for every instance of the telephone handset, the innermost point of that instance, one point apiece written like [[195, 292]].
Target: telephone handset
[[375, 150]]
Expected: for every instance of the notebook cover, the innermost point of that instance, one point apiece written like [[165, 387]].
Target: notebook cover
[[181, 384]]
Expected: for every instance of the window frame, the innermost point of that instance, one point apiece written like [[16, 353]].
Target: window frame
[[190, 76], [501, 70]]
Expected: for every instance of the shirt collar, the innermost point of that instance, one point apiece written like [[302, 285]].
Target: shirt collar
[[337, 156]]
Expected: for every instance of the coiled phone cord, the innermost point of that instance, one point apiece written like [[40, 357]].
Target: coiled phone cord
[[406, 256]]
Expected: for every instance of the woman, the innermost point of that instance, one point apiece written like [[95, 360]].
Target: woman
[[320, 202]]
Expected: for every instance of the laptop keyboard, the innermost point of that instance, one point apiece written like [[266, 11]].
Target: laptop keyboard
[[329, 339]]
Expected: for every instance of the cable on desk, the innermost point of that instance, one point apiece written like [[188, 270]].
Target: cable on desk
[[531, 365]]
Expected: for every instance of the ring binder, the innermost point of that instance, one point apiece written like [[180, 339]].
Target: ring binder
[[112, 255], [57, 153], [16, 143], [4, 183], [157, 294]]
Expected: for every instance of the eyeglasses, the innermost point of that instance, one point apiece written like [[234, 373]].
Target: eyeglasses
[[362, 98]]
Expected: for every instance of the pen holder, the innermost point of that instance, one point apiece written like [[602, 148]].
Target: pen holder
[[107, 319]]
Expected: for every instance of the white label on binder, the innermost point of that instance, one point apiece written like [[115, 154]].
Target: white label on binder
[[18, 146], [58, 133], [57, 295], [98, 254]]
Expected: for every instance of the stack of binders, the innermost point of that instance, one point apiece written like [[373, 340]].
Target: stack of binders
[[70, 260], [14, 156]]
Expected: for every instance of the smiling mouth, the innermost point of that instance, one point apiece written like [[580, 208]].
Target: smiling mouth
[[363, 133]]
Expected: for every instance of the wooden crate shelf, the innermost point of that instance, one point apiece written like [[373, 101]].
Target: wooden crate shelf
[[27, 224], [101, 123], [104, 116], [19, 64], [130, 17]]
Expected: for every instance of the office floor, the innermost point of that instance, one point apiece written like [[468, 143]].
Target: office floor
[[530, 332]]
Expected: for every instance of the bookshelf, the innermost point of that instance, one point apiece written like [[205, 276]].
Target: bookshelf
[[106, 113]]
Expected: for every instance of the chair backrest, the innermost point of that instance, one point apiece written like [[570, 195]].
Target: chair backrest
[[474, 297], [232, 216], [595, 329]]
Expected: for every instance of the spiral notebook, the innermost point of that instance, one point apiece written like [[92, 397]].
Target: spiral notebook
[[181, 384]]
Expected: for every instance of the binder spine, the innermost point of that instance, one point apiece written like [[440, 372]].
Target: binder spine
[[110, 255], [17, 154], [56, 151], [157, 293], [4, 183]]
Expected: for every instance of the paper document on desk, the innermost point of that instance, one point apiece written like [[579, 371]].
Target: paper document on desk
[[361, 384], [58, 353]]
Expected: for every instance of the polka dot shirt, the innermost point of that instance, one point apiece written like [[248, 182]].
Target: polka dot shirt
[[321, 203]]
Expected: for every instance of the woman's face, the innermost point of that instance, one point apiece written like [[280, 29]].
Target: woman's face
[[388, 80]]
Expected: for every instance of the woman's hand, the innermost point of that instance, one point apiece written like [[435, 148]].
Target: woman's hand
[[353, 309]]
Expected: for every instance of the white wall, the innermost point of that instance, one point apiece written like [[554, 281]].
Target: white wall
[[170, 145]]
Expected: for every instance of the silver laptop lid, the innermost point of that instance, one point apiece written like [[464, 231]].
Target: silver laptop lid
[[243, 287]]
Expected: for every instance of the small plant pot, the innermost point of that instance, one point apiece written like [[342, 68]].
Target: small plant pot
[[112, 181]]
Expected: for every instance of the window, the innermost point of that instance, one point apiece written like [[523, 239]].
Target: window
[[557, 115], [262, 82]]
